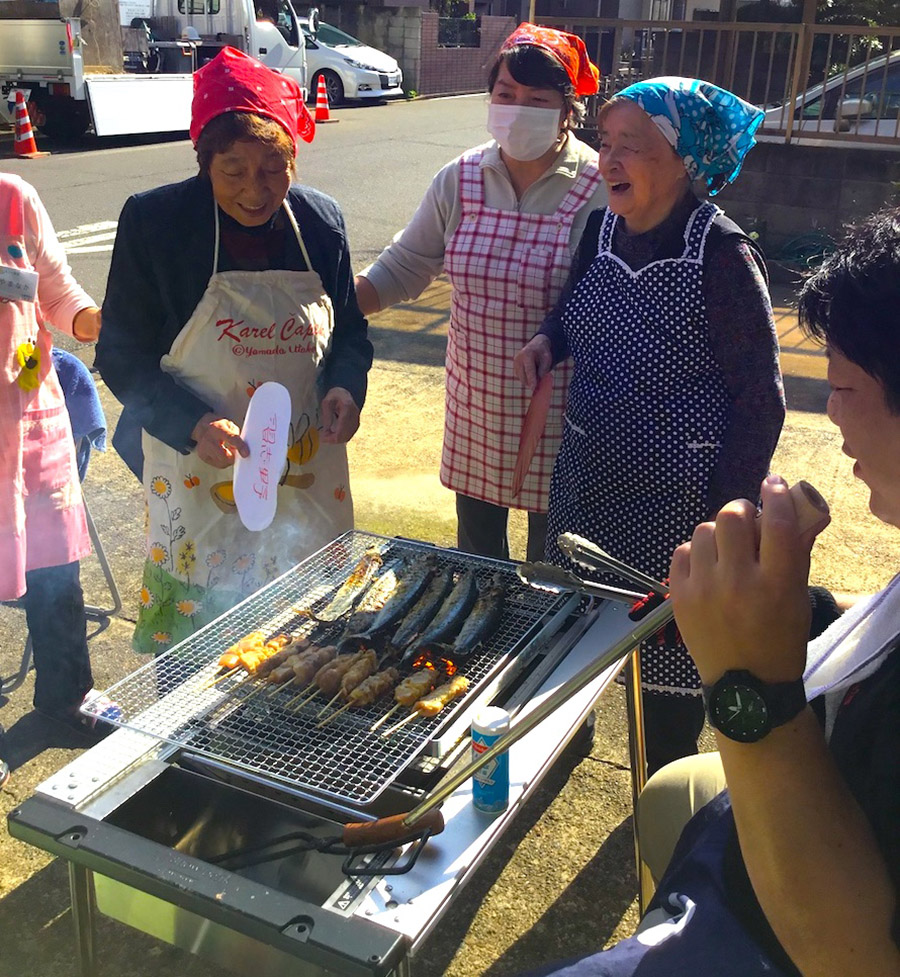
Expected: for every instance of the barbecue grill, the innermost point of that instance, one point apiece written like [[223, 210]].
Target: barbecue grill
[[212, 819]]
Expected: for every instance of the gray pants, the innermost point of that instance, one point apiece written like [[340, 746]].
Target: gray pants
[[482, 529]]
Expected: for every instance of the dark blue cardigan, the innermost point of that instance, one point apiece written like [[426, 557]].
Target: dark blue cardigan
[[160, 268]]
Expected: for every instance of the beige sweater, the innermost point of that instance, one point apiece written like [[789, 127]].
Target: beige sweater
[[416, 256]]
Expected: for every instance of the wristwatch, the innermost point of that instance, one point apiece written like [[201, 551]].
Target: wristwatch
[[744, 708]]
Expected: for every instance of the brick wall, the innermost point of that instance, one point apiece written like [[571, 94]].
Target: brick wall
[[446, 70], [787, 191]]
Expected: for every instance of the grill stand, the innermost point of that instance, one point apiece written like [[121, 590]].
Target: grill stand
[[393, 917]]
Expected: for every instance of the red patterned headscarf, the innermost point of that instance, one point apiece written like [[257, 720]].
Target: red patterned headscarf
[[235, 82], [568, 49]]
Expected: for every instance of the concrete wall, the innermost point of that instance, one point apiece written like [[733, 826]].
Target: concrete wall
[[786, 191], [395, 30]]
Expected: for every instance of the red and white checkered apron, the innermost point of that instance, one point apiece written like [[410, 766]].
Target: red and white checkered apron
[[507, 270]]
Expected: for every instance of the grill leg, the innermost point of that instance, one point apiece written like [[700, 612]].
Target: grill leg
[[637, 749], [81, 887]]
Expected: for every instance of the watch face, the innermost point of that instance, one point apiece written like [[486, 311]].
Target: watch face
[[740, 712]]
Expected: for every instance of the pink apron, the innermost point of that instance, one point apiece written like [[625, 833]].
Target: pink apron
[[249, 327], [42, 520], [507, 270]]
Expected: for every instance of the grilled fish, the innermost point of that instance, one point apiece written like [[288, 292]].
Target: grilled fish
[[377, 594], [352, 588], [414, 578], [477, 628], [449, 619], [423, 611]]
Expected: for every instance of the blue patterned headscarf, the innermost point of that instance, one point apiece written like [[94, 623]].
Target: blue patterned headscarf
[[710, 129]]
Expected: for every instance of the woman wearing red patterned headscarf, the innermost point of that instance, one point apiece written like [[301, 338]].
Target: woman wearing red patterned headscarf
[[503, 221], [217, 285]]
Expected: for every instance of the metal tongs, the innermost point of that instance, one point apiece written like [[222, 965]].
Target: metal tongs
[[556, 580], [588, 554]]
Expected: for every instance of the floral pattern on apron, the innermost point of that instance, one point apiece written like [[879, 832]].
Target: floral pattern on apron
[[647, 411], [507, 270], [249, 327], [42, 519]]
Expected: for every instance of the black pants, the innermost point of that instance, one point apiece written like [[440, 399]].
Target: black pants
[[672, 724], [482, 529], [54, 610]]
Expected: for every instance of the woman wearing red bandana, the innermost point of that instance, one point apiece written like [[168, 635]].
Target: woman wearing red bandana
[[217, 285], [503, 221]]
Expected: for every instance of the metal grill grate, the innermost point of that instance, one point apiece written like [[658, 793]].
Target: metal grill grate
[[251, 727]]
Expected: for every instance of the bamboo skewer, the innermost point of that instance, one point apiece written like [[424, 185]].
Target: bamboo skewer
[[220, 678], [385, 717], [415, 714], [334, 715], [328, 705]]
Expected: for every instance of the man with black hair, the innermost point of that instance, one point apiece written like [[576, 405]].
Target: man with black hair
[[794, 870]]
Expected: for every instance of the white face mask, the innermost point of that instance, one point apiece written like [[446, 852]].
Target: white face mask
[[524, 132]]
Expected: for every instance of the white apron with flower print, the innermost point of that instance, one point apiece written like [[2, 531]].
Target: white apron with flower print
[[249, 327]]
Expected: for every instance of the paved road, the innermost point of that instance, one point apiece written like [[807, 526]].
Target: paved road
[[562, 881]]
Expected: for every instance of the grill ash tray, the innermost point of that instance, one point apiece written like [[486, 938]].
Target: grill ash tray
[[252, 728]]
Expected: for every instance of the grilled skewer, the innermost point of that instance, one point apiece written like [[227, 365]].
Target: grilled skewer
[[327, 679], [366, 693], [434, 703], [409, 691], [365, 665]]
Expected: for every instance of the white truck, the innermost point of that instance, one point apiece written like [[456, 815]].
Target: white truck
[[124, 66]]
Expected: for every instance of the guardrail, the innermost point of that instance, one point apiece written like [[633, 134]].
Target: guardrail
[[817, 83]]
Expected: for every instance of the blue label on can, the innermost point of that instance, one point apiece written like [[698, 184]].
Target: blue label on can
[[490, 783]]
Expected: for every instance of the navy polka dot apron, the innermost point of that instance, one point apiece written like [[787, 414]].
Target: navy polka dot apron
[[646, 414]]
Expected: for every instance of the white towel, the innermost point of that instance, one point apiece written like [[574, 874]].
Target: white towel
[[852, 648]]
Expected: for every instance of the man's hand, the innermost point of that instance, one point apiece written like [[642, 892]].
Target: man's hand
[[739, 589], [532, 361], [339, 415], [218, 440]]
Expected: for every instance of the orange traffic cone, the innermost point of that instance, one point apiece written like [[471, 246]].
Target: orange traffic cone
[[322, 113], [26, 147]]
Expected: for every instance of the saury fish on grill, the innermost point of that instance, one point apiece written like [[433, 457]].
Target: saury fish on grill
[[414, 578], [450, 618], [423, 611], [477, 627], [377, 594], [352, 588]]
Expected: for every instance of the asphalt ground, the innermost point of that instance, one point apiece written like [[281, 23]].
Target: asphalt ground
[[562, 880]]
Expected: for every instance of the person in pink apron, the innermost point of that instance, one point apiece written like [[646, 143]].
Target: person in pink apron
[[503, 220], [217, 285], [43, 529]]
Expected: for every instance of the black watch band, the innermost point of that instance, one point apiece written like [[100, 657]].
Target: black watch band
[[744, 708]]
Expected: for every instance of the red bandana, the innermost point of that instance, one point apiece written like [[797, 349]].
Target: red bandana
[[235, 82], [569, 51]]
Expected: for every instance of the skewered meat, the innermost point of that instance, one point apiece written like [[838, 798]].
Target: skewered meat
[[361, 669], [232, 657], [416, 686], [329, 676], [300, 668], [373, 688], [441, 696]]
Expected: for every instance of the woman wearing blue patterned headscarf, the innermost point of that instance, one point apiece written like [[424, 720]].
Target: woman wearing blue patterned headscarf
[[676, 402]]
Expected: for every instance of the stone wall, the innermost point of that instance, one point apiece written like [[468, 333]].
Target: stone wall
[[785, 191], [446, 70]]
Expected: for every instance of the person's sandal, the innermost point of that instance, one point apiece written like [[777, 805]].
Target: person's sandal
[[96, 725], [4, 773]]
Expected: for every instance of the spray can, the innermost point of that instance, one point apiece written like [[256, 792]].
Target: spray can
[[490, 784]]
